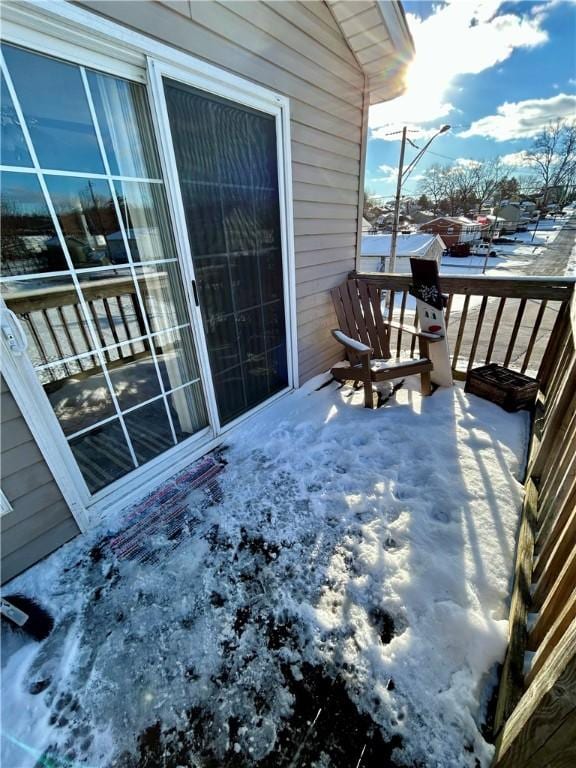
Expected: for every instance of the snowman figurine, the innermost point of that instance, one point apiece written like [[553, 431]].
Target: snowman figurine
[[430, 308]]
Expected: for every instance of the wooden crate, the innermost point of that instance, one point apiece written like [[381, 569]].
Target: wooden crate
[[510, 389]]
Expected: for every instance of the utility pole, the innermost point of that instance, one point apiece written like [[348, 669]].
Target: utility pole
[[402, 176], [392, 264]]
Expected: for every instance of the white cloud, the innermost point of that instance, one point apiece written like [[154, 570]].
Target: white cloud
[[467, 162], [523, 119], [459, 38], [516, 159], [544, 10], [572, 81], [388, 170]]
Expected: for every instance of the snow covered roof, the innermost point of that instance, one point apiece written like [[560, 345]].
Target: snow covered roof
[[460, 220], [378, 36], [417, 244]]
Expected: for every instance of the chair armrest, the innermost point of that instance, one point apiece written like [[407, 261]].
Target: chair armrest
[[430, 337], [362, 350]]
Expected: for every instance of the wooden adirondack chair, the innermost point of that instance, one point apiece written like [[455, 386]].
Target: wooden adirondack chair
[[365, 335]]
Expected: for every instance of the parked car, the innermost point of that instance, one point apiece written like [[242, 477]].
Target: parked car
[[482, 249], [460, 249]]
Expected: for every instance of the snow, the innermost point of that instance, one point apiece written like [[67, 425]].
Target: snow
[[352, 343], [571, 266], [414, 244], [510, 260], [376, 546]]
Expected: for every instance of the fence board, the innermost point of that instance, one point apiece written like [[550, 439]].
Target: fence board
[[535, 733], [512, 677]]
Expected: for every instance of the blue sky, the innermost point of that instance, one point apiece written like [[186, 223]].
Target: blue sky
[[497, 72]]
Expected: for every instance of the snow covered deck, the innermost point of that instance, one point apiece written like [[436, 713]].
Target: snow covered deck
[[344, 604]]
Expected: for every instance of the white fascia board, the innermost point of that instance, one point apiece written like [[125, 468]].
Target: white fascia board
[[397, 26]]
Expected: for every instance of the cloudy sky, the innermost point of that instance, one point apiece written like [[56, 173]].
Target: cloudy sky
[[497, 72]]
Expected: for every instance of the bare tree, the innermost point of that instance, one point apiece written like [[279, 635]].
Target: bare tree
[[462, 184], [552, 157], [433, 185], [489, 174]]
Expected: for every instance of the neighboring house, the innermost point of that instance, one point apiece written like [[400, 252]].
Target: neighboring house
[[376, 248], [422, 217], [511, 213], [225, 143], [454, 230], [491, 226]]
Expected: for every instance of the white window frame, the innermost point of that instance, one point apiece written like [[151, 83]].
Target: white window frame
[[5, 506], [55, 27]]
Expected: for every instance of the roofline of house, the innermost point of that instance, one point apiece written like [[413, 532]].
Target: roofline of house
[[380, 27], [399, 30]]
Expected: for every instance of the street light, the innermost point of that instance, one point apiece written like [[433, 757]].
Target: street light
[[402, 176]]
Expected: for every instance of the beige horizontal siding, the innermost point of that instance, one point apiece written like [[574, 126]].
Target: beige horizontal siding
[[323, 242], [40, 520], [319, 158], [17, 561], [312, 137], [327, 226], [297, 49], [309, 174], [310, 210], [338, 251], [320, 286], [314, 193]]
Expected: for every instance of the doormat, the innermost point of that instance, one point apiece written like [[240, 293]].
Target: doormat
[[156, 524]]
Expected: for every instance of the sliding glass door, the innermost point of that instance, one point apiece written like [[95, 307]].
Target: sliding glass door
[[227, 163], [90, 265], [153, 307]]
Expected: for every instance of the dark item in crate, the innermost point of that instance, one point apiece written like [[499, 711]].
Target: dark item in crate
[[510, 389]]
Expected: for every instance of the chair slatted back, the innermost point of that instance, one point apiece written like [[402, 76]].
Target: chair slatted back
[[359, 311]]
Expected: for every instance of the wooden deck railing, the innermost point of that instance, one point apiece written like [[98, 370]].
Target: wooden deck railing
[[536, 713], [489, 319], [57, 330]]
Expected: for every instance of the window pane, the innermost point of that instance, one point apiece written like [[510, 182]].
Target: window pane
[[79, 398], [176, 357], [87, 216], [239, 218], [149, 430], [274, 324], [223, 341], [191, 116], [227, 167], [13, 150], [56, 111], [144, 212], [188, 411], [163, 296], [102, 455], [124, 118], [263, 151], [229, 388], [203, 209], [50, 312], [113, 306], [134, 376], [29, 240]]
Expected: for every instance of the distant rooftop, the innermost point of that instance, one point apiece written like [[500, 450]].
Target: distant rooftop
[[416, 244]]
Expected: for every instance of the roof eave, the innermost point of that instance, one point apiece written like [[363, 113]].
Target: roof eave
[[380, 39]]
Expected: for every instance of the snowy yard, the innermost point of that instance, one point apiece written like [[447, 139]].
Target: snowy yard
[[343, 605]]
